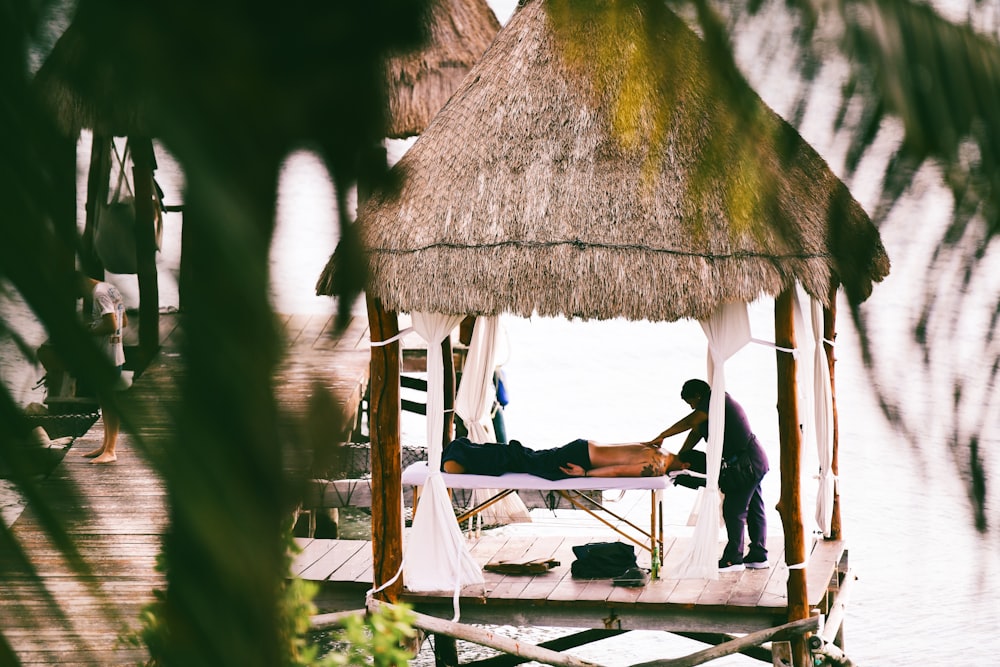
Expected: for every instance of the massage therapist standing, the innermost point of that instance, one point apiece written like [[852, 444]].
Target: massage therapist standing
[[743, 505]]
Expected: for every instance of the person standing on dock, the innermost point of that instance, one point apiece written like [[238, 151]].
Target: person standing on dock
[[107, 320], [743, 502]]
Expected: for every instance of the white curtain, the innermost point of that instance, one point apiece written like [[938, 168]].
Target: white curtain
[[436, 556], [475, 392], [473, 405], [822, 423], [727, 330]]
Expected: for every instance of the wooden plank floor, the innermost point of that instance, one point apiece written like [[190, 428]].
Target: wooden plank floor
[[116, 527], [121, 515], [120, 512], [736, 602]]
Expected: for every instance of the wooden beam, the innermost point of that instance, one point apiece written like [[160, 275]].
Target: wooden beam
[[384, 427], [788, 630], [143, 165], [790, 504], [716, 638], [558, 644], [830, 333], [333, 619], [447, 434], [97, 192], [835, 618], [490, 639]]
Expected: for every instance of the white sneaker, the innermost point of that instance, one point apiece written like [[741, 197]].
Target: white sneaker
[[759, 565], [726, 566]]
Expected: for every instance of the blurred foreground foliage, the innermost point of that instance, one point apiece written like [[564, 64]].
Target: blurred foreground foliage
[[231, 88]]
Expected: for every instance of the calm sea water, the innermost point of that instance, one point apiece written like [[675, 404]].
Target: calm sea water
[[928, 582]]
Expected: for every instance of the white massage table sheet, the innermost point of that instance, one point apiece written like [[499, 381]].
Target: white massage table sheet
[[416, 474]]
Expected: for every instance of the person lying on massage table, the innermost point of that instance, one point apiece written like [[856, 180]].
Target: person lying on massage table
[[580, 458]]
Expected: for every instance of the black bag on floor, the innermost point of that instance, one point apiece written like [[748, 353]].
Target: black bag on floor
[[602, 560]]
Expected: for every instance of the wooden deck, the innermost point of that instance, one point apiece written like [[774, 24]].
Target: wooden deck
[[122, 514], [120, 511], [738, 602]]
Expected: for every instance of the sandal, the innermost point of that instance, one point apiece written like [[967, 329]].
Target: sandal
[[634, 577]]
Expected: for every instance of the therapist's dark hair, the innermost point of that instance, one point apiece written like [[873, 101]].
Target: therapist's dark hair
[[695, 389]]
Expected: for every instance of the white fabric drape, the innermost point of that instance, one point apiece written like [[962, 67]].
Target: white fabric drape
[[727, 330], [822, 423], [475, 392], [473, 405], [436, 556]]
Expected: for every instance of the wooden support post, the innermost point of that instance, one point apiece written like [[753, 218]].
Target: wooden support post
[[144, 163], [790, 504], [384, 429], [97, 193], [830, 333], [64, 209], [445, 651], [781, 654], [448, 358]]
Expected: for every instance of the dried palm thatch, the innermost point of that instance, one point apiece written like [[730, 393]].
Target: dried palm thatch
[[82, 90], [420, 82], [621, 182]]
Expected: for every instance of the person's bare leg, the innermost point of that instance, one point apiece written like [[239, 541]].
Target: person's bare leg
[[94, 453], [112, 424]]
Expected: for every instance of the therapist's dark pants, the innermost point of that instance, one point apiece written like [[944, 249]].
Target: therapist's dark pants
[[742, 508]]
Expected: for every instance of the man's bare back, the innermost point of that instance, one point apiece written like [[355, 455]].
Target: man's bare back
[[646, 460]]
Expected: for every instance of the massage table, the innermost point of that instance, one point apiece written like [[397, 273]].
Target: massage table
[[571, 489]]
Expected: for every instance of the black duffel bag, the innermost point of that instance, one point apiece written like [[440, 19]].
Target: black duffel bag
[[602, 560]]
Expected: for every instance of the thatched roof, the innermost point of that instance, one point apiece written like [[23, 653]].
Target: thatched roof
[[651, 195], [82, 90], [420, 82]]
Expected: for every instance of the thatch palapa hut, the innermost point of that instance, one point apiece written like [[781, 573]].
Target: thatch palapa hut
[[420, 82], [82, 92], [593, 164], [529, 176]]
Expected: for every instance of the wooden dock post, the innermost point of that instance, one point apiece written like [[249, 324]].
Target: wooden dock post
[[97, 192], [448, 358], [384, 428], [144, 163], [830, 334], [790, 504]]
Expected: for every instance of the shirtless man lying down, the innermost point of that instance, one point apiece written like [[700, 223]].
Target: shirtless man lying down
[[580, 458]]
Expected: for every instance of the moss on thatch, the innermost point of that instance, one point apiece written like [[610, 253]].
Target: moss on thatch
[[559, 185]]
